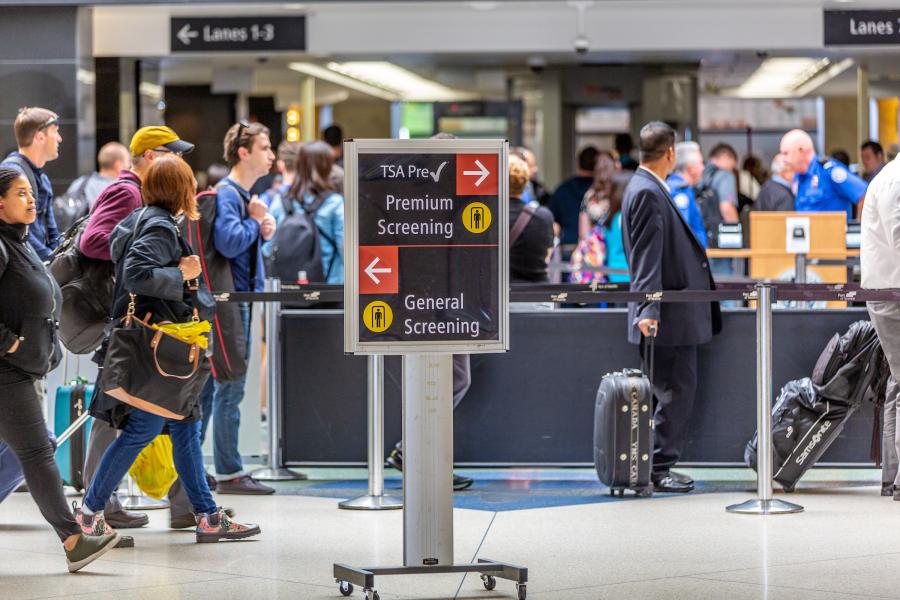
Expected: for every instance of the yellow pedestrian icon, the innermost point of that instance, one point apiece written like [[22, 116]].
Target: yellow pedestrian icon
[[476, 217], [378, 316]]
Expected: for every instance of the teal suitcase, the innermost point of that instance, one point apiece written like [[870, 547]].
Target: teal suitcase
[[72, 401]]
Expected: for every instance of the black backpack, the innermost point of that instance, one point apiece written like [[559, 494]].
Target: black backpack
[[87, 291], [296, 246], [708, 203], [68, 209]]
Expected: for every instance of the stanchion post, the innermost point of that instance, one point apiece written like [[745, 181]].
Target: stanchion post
[[800, 268], [274, 471], [136, 500], [764, 504], [375, 499]]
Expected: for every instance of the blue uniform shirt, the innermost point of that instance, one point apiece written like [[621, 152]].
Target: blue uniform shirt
[[828, 187], [686, 203], [236, 236]]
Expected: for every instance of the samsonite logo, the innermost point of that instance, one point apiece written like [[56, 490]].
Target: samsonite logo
[[816, 439]]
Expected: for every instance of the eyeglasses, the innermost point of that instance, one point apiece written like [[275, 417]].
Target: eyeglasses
[[236, 143], [52, 121], [167, 151]]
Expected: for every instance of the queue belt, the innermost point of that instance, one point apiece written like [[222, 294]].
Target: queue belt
[[602, 293]]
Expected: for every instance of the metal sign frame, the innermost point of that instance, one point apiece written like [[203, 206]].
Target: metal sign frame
[[352, 150]]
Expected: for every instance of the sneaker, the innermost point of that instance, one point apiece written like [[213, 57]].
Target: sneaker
[[244, 485], [190, 520], [219, 526], [461, 482], [88, 549], [395, 458], [94, 524]]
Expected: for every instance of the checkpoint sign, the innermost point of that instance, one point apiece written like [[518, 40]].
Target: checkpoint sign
[[426, 240]]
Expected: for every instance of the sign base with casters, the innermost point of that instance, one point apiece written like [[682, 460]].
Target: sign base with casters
[[428, 485]]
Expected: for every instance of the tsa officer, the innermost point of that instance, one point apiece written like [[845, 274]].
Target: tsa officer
[[820, 187]]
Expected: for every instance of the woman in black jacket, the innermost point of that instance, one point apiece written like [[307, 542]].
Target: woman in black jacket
[[154, 263], [29, 308]]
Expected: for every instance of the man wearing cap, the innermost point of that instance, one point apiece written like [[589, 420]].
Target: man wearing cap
[[38, 140], [122, 197], [115, 203]]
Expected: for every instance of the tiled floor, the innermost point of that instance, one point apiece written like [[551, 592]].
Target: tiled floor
[[845, 545]]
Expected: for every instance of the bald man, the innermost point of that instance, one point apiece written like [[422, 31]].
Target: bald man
[[819, 187]]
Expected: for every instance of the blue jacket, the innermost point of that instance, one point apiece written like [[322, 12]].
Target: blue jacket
[[43, 234], [330, 221], [686, 203], [236, 236]]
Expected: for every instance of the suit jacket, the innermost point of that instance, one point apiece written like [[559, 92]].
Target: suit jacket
[[664, 254]]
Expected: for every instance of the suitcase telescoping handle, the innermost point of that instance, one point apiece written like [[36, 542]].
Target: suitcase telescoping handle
[[71, 429], [651, 341]]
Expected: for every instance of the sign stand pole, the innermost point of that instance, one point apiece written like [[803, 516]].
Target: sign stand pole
[[764, 504], [376, 498], [274, 471]]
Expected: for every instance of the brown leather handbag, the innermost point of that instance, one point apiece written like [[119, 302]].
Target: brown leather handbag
[[152, 370]]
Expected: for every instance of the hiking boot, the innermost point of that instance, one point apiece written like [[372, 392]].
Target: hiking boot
[[94, 525], [245, 485], [190, 520], [219, 526], [88, 549]]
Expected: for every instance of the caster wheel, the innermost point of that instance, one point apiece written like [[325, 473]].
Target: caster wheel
[[346, 588], [372, 595], [520, 587], [489, 582]]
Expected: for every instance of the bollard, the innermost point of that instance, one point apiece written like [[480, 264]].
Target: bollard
[[376, 498], [274, 471], [764, 504]]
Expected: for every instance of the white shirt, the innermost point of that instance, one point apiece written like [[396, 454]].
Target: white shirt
[[880, 243]]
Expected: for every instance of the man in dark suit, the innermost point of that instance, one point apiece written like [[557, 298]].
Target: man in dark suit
[[663, 254]]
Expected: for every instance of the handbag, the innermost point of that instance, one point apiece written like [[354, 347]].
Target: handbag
[[152, 370]]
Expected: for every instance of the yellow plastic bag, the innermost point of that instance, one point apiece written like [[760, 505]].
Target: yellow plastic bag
[[190, 332], [154, 469]]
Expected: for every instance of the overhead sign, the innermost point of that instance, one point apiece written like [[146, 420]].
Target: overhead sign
[[426, 246], [862, 27], [230, 34]]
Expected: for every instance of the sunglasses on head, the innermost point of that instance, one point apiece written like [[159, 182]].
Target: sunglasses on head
[[236, 143], [52, 121]]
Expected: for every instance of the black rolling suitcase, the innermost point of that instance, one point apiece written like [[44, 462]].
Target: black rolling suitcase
[[623, 431]]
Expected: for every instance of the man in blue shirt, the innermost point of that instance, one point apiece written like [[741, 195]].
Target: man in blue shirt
[[566, 201], [38, 139], [820, 187], [242, 223], [688, 171]]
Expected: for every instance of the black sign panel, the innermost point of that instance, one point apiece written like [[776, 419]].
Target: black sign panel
[[429, 232], [220, 34], [862, 27]]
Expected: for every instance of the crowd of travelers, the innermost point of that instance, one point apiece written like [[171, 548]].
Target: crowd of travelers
[[708, 191]]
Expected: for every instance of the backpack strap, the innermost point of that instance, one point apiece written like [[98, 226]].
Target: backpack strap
[[521, 223]]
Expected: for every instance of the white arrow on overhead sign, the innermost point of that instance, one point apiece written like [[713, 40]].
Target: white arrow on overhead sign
[[371, 270], [483, 172], [186, 34]]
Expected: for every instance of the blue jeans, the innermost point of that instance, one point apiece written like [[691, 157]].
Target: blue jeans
[[221, 402], [141, 429]]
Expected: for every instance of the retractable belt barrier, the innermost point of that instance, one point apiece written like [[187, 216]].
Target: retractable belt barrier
[[603, 292], [765, 294]]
